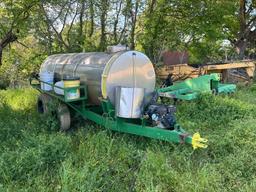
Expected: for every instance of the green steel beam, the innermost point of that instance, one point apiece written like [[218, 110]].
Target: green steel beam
[[191, 88], [226, 88], [178, 135], [118, 124]]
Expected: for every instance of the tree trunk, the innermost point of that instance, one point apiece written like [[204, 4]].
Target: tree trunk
[[241, 46], [241, 42], [91, 18], [103, 18], [134, 21], [152, 6], [8, 38], [118, 10], [81, 34], [1, 55]]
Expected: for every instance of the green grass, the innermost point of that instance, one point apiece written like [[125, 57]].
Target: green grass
[[34, 157]]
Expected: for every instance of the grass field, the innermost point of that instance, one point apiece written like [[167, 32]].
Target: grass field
[[34, 157]]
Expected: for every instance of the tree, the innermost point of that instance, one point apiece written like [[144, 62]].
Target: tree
[[118, 9], [134, 14], [197, 26], [247, 30], [57, 19], [103, 9], [14, 16]]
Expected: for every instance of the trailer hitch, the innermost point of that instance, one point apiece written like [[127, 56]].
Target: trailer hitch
[[198, 141]]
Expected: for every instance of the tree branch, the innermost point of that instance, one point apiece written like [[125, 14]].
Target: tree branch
[[59, 36], [71, 25]]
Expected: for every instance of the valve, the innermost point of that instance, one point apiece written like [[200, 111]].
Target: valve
[[198, 141]]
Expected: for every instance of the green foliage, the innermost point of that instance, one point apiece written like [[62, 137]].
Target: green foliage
[[198, 27], [14, 15], [33, 156], [221, 109], [30, 30], [20, 62]]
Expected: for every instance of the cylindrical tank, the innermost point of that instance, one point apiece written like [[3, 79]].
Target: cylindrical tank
[[103, 72]]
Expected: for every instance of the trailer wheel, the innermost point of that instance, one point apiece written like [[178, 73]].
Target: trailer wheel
[[214, 91], [63, 115], [43, 103]]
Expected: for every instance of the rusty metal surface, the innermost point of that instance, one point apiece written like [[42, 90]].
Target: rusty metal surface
[[184, 71], [175, 57]]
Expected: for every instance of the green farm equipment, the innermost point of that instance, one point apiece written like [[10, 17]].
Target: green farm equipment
[[105, 116], [191, 88], [117, 91]]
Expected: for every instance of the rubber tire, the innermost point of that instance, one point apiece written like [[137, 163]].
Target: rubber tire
[[64, 118], [214, 92], [43, 102]]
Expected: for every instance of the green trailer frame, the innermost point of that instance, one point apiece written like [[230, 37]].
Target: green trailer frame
[[190, 89], [104, 115]]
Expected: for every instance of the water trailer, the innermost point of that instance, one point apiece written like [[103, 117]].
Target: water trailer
[[117, 91]]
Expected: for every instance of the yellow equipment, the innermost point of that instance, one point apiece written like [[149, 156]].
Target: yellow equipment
[[228, 73]]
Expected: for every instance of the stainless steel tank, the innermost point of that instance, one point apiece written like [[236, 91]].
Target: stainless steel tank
[[129, 102], [103, 72]]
